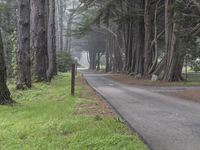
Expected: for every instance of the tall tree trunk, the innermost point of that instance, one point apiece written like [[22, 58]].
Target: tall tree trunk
[[69, 36], [139, 41], [98, 61], [148, 37], [23, 52], [57, 24], [129, 50], [107, 54], [92, 55], [135, 42], [173, 53], [52, 68], [39, 40], [4, 91], [118, 62], [137, 49], [61, 15]]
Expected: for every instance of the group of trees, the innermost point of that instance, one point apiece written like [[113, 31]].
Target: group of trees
[[35, 45], [143, 37]]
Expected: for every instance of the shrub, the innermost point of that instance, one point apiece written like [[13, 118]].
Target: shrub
[[64, 61]]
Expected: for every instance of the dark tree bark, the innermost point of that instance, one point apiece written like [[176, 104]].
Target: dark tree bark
[[129, 43], [148, 37], [5, 98], [39, 40], [98, 61], [117, 56], [107, 55], [173, 53], [138, 69], [135, 42], [61, 15], [23, 52], [52, 68], [92, 55]]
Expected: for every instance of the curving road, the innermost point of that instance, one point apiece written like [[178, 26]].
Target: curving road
[[164, 122]]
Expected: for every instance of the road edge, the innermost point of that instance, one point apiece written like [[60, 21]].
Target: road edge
[[118, 114]]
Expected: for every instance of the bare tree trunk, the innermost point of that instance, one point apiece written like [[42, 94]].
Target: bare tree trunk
[[118, 57], [57, 25], [155, 41], [139, 41], [39, 39], [135, 42], [61, 15], [23, 52], [52, 68], [92, 55], [4, 91], [69, 36], [98, 61], [107, 55], [173, 53], [148, 37], [129, 50]]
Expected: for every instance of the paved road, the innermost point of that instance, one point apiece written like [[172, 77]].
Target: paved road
[[164, 122]]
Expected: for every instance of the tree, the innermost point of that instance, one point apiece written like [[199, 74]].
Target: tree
[[52, 70], [39, 40], [148, 24], [4, 91], [61, 15], [173, 66], [23, 52]]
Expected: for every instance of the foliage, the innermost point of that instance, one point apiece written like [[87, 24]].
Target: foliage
[[8, 26], [195, 65], [64, 61], [193, 54], [46, 119]]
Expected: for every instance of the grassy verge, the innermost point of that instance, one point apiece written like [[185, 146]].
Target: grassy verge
[[193, 80], [47, 117], [193, 95]]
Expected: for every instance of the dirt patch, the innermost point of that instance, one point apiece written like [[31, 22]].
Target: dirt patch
[[187, 91], [95, 105], [193, 95], [126, 79]]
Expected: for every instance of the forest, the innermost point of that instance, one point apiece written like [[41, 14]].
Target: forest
[[31, 36], [143, 38]]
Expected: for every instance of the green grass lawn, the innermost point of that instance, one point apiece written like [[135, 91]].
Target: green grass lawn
[[45, 118]]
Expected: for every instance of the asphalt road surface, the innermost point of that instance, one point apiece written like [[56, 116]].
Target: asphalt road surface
[[164, 122]]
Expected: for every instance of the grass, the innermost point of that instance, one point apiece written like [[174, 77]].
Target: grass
[[45, 118], [193, 77]]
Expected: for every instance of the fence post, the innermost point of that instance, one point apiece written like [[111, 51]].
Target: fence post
[[76, 69], [73, 79]]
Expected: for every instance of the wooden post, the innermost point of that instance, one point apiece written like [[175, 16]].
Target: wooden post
[[76, 69], [73, 79], [186, 68]]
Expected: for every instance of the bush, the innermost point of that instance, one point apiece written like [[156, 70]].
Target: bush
[[64, 61], [195, 65]]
